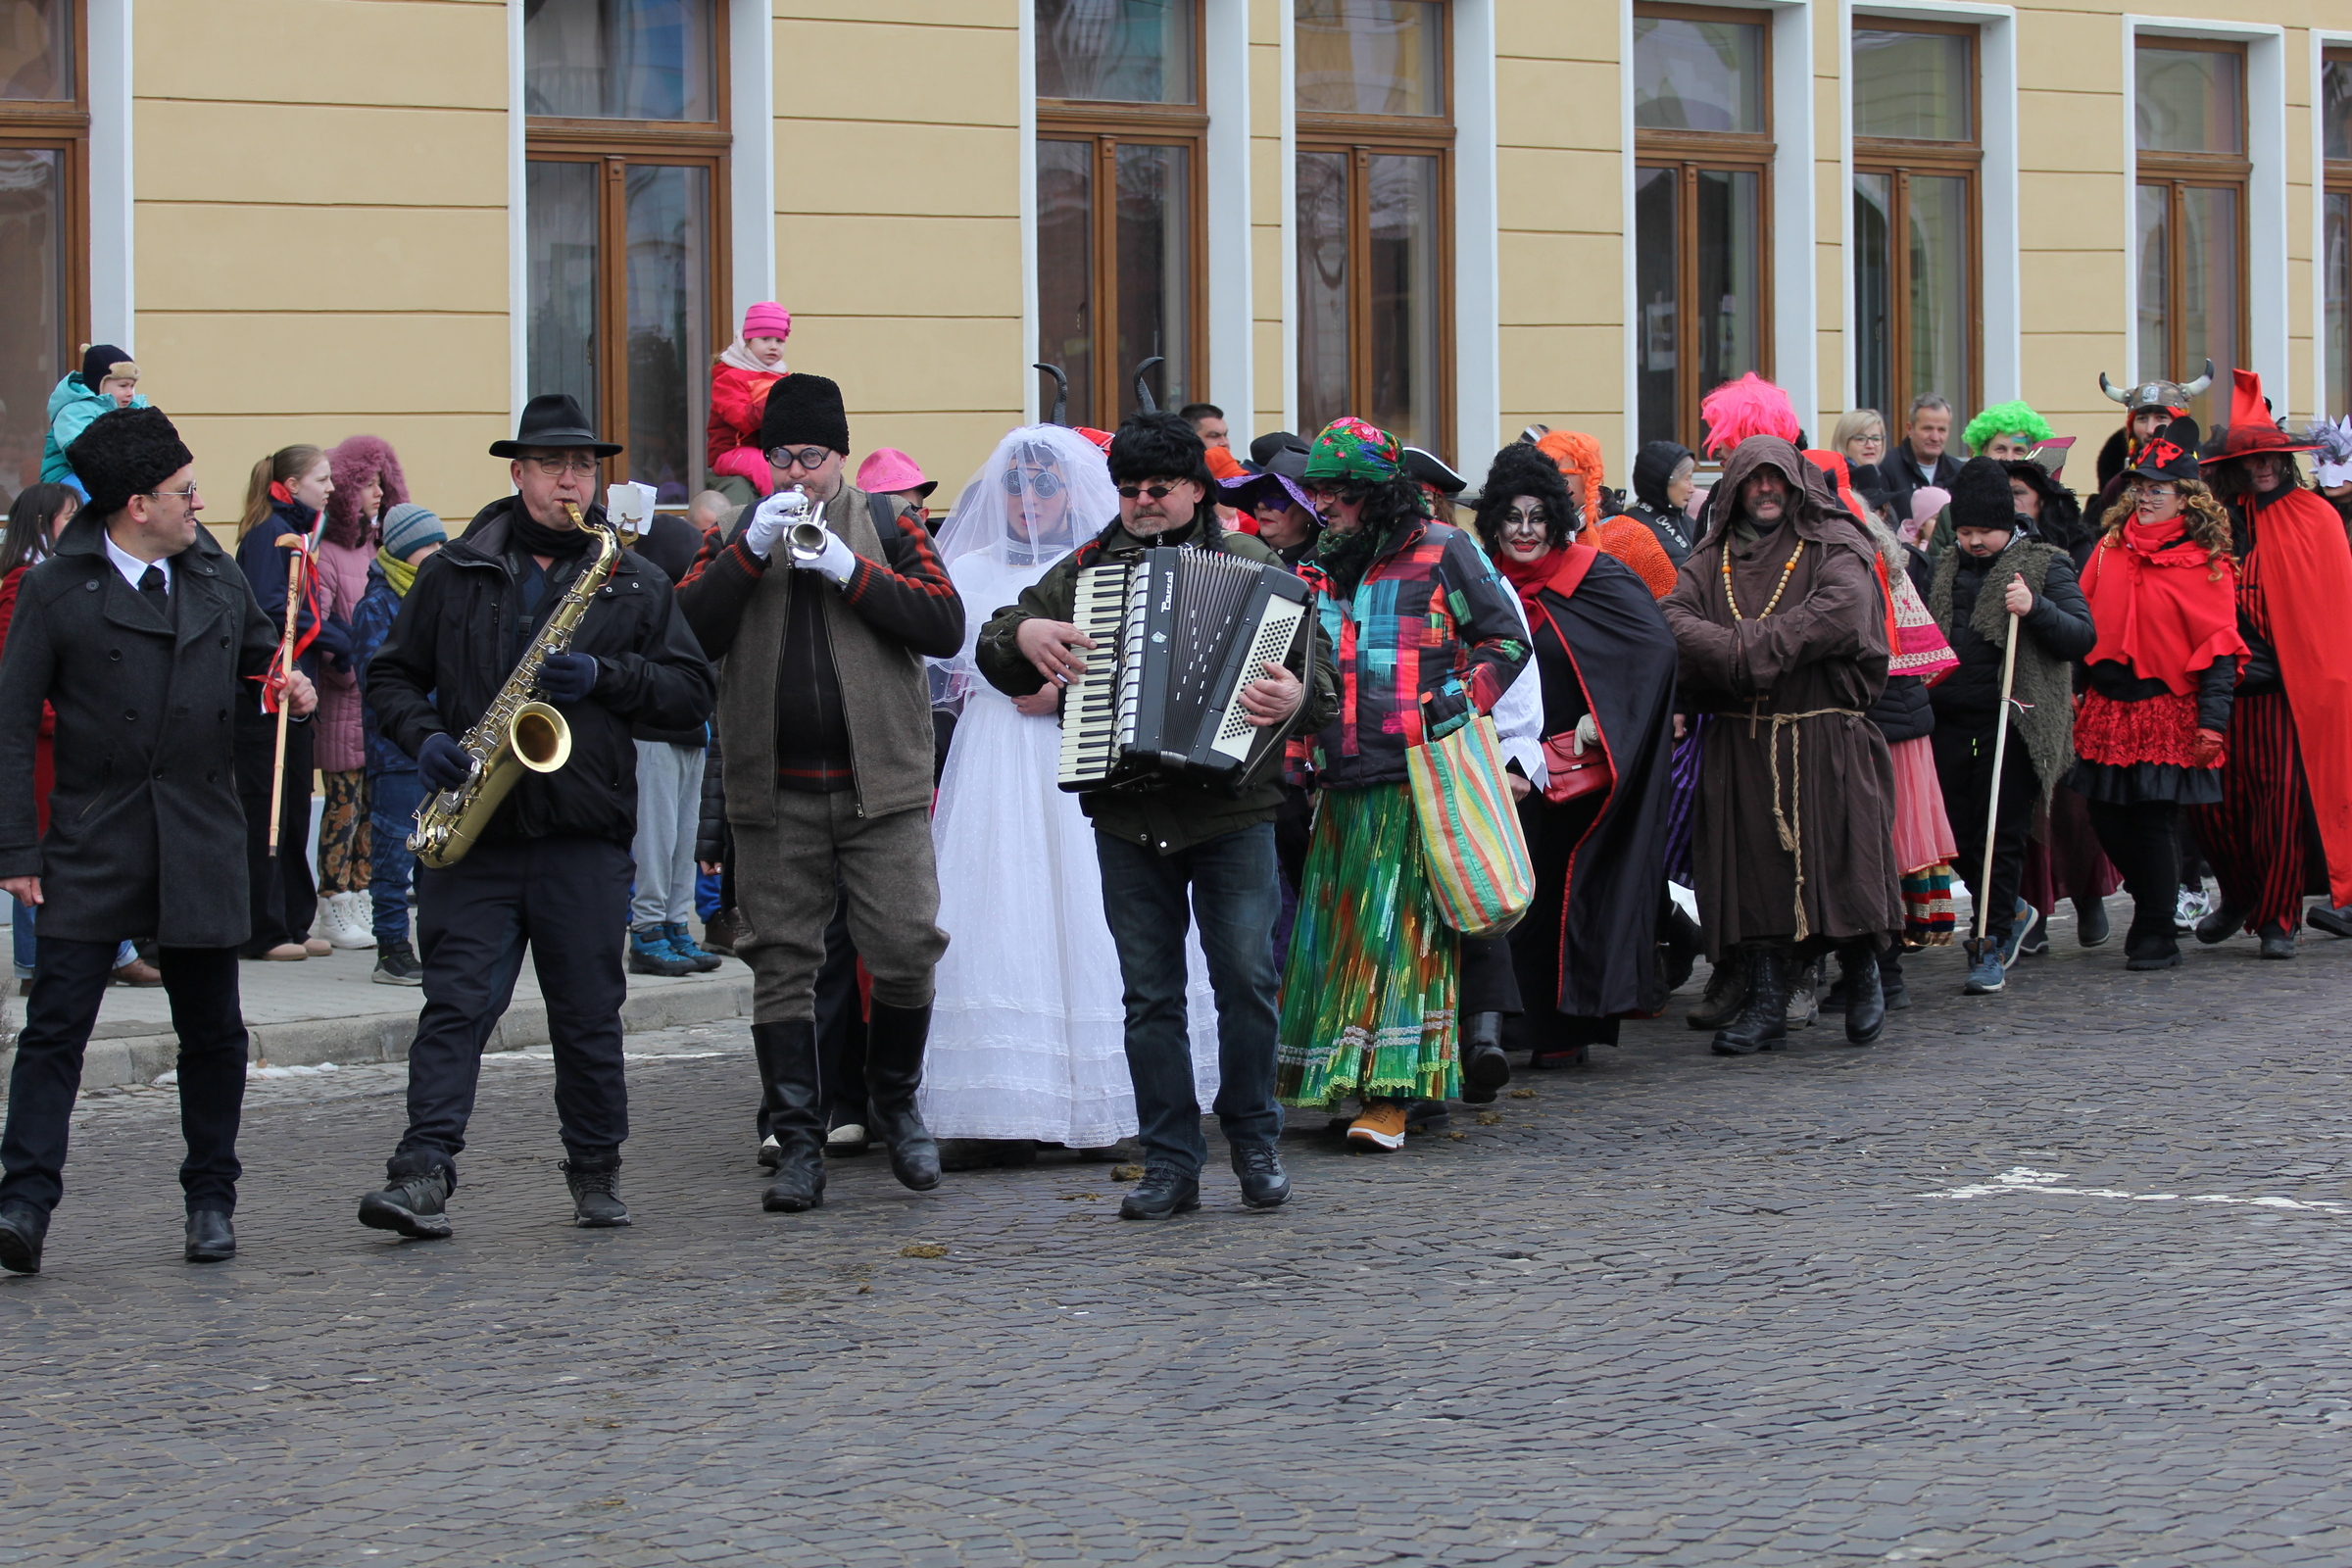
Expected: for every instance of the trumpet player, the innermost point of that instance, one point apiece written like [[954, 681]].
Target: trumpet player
[[824, 600], [551, 868]]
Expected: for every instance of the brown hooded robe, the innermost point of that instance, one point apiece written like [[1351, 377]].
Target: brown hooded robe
[[1823, 647]]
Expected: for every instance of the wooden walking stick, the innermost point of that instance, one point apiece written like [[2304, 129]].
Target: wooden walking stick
[[1992, 814], [285, 665]]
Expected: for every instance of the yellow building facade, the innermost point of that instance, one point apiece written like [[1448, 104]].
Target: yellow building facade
[[313, 218]]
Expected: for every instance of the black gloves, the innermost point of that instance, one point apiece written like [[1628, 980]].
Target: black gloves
[[442, 763], [569, 677]]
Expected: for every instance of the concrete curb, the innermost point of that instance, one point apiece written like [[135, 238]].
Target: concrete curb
[[122, 1060]]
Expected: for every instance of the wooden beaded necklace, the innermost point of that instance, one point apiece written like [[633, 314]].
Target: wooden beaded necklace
[[1769, 604]]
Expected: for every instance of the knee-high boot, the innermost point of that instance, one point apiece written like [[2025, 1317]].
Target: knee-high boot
[[793, 1092], [894, 1071]]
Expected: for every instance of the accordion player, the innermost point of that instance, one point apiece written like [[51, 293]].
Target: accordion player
[[1181, 633]]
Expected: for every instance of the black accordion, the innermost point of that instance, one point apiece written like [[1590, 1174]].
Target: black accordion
[[1178, 633]]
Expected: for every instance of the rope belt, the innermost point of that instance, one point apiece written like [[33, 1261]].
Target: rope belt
[[1792, 823]]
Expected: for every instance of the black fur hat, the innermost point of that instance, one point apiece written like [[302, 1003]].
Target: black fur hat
[[126, 452], [1980, 497], [1160, 446], [805, 410]]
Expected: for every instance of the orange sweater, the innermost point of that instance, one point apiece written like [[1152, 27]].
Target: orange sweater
[[1629, 539]]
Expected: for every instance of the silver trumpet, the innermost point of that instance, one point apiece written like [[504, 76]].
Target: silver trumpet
[[806, 540]]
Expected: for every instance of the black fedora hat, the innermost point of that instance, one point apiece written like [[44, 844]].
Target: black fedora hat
[[552, 419]]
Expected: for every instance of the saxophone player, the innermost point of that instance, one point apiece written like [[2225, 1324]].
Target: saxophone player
[[550, 869]]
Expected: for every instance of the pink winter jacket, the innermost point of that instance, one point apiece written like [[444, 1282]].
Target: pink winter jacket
[[340, 740]]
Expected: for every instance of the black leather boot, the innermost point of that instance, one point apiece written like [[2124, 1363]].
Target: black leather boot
[[1865, 995], [796, 1114], [595, 1183], [2222, 925], [22, 1229], [1726, 995], [894, 1071], [1763, 1022], [212, 1237], [1485, 1068]]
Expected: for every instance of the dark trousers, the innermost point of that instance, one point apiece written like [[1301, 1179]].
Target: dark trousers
[[286, 904], [2263, 840], [1964, 771], [1552, 835], [2143, 840], [392, 802], [567, 898], [68, 980], [840, 1030], [1235, 892]]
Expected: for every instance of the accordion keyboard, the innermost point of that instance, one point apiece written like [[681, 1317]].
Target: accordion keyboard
[[1090, 707]]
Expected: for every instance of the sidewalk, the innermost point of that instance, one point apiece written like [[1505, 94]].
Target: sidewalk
[[328, 1009]]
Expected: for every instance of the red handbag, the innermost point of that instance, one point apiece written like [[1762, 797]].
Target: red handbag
[[1573, 777]]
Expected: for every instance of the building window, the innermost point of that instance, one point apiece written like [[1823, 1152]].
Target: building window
[[44, 233], [1916, 156], [1120, 230], [625, 193], [2190, 212], [1703, 186], [2335, 252], [1375, 200]]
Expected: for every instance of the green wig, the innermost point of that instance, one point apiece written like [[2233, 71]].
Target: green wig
[[2006, 419]]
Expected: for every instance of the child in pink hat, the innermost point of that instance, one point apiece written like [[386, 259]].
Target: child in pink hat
[[740, 379], [888, 471]]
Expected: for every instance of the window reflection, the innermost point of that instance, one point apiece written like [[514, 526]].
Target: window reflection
[[620, 59], [2190, 101], [1658, 273], [1697, 76], [1371, 56], [35, 348], [2336, 261], [37, 51], [668, 223], [560, 208], [1913, 85], [1065, 266], [1118, 51], [1155, 242], [1323, 348]]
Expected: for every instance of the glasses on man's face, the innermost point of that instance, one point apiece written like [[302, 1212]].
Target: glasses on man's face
[[1345, 494], [807, 458], [563, 462], [1042, 483], [188, 495], [1158, 492]]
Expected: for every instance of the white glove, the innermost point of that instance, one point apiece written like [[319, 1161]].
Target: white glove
[[1587, 733], [772, 516], [835, 561]]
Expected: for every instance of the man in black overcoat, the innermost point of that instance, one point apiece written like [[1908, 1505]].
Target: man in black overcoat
[[143, 636]]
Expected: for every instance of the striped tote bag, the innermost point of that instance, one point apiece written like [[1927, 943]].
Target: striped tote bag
[[1470, 838]]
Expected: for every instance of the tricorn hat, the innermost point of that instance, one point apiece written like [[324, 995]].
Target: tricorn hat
[[2170, 455], [553, 420], [2171, 395], [2251, 427]]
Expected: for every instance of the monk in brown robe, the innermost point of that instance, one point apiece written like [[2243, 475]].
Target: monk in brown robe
[[1783, 623]]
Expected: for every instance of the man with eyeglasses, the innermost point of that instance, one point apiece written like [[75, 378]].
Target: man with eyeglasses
[[1163, 838], [824, 716], [552, 869], [140, 633]]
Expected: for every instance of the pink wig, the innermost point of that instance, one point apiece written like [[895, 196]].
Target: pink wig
[[358, 460], [1749, 406], [1574, 451]]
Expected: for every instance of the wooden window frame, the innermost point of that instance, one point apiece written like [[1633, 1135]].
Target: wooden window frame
[[2177, 173], [1363, 137], [1898, 157], [64, 125], [1111, 124], [2336, 179], [1689, 153], [618, 144]]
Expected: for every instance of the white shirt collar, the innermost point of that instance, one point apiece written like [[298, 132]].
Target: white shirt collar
[[131, 566]]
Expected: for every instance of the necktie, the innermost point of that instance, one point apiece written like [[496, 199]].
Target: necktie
[[151, 588]]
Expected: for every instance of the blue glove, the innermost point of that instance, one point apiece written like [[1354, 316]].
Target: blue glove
[[569, 677], [442, 763]]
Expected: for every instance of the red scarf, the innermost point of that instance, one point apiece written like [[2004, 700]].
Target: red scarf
[[2160, 609], [1560, 568]]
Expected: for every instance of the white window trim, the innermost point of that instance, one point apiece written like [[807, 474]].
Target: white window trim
[[2321, 42], [1232, 381], [1033, 406], [1791, 223], [1999, 286], [1477, 241], [112, 207], [2268, 325], [752, 152], [1286, 22], [518, 225]]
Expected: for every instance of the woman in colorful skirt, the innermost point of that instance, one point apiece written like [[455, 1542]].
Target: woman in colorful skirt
[[1426, 638], [2149, 734]]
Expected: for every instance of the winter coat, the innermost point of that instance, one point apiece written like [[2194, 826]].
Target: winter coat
[[1903, 710], [370, 624], [44, 769], [1966, 596], [710, 832], [1897, 475], [1673, 527], [72, 407], [340, 743], [146, 835], [668, 545], [1826, 777], [731, 435], [462, 630]]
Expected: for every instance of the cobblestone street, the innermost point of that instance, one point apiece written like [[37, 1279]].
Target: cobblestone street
[[2056, 1277]]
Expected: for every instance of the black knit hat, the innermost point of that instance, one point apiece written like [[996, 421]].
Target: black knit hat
[[1980, 497], [124, 453], [1160, 446], [805, 410], [102, 359]]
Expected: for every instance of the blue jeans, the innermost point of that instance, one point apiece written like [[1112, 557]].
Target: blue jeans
[[21, 922], [392, 802], [1235, 897]]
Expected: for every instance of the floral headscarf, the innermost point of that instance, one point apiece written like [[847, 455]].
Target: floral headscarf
[[1351, 448]]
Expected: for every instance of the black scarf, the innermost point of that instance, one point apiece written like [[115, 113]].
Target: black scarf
[[1346, 556], [534, 540]]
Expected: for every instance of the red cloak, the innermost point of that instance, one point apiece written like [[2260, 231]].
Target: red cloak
[[2307, 586]]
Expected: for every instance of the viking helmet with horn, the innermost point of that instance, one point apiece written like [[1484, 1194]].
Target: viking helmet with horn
[[2168, 394]]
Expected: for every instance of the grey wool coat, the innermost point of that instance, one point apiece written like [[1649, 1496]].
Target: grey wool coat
[[146, 835]]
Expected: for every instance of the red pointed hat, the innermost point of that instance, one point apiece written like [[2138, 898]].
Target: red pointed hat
[[2251, 427]]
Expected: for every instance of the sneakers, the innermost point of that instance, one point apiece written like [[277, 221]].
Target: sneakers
[[345, 920], [2021, 921], [411, 1204], [650, 952], [683, 946], [1161, 1194], [1380, 1126], [2188, 909], [1987, 973], [397, 965], [596, 1192], [1264, 1185]]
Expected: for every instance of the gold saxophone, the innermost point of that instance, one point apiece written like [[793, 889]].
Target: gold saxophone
[[515, 731]]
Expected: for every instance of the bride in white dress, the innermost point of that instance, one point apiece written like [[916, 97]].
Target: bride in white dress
[[1028, 1029]]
